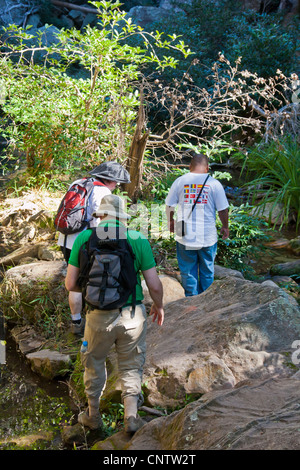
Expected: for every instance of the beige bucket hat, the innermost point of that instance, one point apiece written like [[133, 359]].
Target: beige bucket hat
[[112, 205]]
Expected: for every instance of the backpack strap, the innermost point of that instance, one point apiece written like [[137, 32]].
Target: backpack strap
[[199, 194], [94, 182], [103, 285], [133, 303], [89, 262], [134, 290], [132, 314], [65, 246]]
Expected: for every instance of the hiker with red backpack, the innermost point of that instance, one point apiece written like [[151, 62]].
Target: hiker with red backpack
[[76, 213]]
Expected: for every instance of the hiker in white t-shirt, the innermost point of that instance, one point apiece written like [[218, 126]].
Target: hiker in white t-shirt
[[195, 225]]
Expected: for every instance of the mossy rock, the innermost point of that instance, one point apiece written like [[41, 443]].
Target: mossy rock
[[30, 290]]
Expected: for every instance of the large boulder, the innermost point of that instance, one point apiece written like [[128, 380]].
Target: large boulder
[[144, 15], [236, 330], [16, 256], [172, 288], [24, 285], [33, 273], [221, 272], [294, 245], [286, 269]]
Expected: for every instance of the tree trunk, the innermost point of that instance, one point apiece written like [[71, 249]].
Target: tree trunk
[[72, 6], [136, 155]]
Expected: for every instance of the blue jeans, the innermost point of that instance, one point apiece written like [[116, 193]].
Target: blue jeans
[[196, 268]]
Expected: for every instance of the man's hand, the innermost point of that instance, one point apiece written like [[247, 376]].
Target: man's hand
[[158, 313], [172, 226], [156, 293], [224, 221], [224, 232]]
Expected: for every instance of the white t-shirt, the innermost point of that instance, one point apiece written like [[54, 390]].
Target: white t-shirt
[[93, 203], [201, 224]]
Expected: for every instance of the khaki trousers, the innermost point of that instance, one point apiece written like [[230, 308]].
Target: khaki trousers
[[104, 329]]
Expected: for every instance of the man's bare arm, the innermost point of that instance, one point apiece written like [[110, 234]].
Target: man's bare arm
[[156, 292], [170, 218], [71, 279], [224, 221]]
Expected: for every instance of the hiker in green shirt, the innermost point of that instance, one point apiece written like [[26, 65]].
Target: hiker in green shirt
[[104, 328]]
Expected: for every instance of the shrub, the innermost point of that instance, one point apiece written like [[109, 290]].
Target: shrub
[[59, 120], [276, 167], [262, 40], [246, 232]]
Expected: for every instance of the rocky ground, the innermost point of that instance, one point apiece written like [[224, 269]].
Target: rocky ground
[[222, 372]]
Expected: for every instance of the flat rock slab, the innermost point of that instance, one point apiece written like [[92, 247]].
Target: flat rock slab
[[30, 274], [49, 364], [27, 339], [262, 416], [236, 330]]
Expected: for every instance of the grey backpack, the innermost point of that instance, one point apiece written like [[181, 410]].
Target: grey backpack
[[107, 273]]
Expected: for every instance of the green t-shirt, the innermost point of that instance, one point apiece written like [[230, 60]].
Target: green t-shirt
[[144, 259]]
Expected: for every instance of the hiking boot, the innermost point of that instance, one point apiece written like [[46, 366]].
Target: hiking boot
[[132, 424], [78, 328], [92, 422]]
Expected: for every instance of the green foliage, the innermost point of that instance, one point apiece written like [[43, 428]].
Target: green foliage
[[262, 40], [76, 381], [246, 232], [217, 150], [35, 414], [51, 311], [20, 184], [276, 170], [160, 185], [57, 119]]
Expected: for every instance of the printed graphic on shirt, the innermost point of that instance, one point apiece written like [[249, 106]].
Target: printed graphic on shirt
[[191, 192]]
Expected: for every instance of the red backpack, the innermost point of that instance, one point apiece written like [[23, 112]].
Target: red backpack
[[71, 216]]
